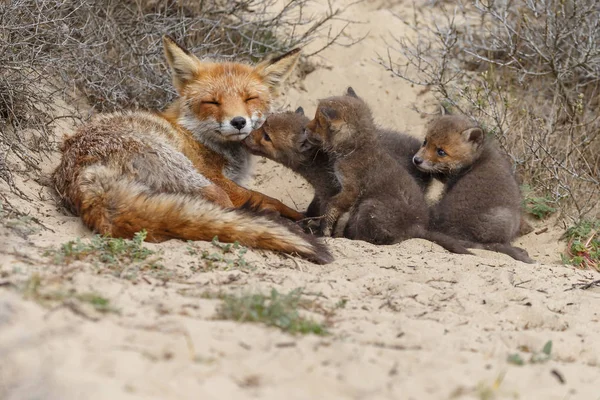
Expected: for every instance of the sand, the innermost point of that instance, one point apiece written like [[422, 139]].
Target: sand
[[416, 323]]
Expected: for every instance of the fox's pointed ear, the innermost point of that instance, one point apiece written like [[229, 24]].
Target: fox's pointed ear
[[300, 110], [328, 112], [474, 135], [184, 65], [275, 70], [350, 92]]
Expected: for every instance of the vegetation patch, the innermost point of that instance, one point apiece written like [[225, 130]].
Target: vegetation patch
[[537, 357], [538, 206], [123, 257], [34, 289], [228, 256], [583, 246], [277, 309]]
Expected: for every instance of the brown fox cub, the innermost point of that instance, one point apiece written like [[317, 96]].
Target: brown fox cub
[[481, 201], [282, 138], [385, 202], [172, 173]]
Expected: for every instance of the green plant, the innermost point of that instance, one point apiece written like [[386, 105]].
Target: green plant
[[537, 357], [34, 289], [106, 249], [277, 309], [539, 207], [220, 259], [123, 257], [583, 246]]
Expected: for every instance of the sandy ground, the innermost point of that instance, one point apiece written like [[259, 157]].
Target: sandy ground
[[418, 322]]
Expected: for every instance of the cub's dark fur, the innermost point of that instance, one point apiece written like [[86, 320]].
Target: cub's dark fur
[[385, 202]]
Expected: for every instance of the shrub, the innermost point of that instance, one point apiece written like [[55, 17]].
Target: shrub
[[529, 72]]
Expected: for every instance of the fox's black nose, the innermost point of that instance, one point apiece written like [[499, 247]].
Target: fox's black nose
[[238, 122], [417, 160]]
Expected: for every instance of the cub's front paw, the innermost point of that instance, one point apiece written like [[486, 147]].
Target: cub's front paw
[[326, 228]]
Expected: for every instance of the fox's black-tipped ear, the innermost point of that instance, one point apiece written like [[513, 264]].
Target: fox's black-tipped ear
[[328, 112], [350, 92], [474, 135], [184, 65], [275, 70], [300, 110]]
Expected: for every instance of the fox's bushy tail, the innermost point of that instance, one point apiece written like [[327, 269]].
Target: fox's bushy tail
[[110, 203]]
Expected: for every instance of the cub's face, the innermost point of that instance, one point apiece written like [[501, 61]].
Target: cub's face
[[282, 138], [328, 128], [451, 144]]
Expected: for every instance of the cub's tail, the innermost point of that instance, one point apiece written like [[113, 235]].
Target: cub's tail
[[112, 204], [449, 243], [461, 246]]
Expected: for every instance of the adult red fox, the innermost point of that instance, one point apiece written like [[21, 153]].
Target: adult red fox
[[176, 173]]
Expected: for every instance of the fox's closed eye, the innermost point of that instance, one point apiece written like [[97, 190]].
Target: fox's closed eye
[[251, 98], [441, 152], [213, 102]]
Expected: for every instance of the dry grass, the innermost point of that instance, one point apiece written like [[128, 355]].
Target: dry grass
[[529, 71]]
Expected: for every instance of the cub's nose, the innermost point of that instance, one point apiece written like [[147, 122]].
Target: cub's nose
[[417, 160], [238, 122]]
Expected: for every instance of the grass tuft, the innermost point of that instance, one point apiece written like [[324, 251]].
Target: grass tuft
[[277, 309], [537, 357], [583, 248], [538, 206], [105, 249], [34, 289], [229, 256], [123, 257]]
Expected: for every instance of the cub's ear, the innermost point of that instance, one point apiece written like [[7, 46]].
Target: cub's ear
[[350, 92], [300, 111], [304, 143], [474, 135], [328, 112], [184, 65], [275, 70]]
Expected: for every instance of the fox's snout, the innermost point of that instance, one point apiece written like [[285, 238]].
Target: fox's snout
[[238, 123]]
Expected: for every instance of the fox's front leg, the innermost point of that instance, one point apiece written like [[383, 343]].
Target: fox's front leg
[[240, 196]]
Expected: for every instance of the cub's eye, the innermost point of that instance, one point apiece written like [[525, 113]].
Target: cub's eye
[[441, 152], [251, 98], [266, 136], [213, 102], [424, 142]]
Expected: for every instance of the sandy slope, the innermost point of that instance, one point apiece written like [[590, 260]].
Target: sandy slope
[[419, 323]]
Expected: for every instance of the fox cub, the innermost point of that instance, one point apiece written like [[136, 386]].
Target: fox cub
[[481, 201], [177, 173], [384, 202]]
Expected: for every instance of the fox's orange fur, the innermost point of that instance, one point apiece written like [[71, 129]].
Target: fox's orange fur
[[177, 174]]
